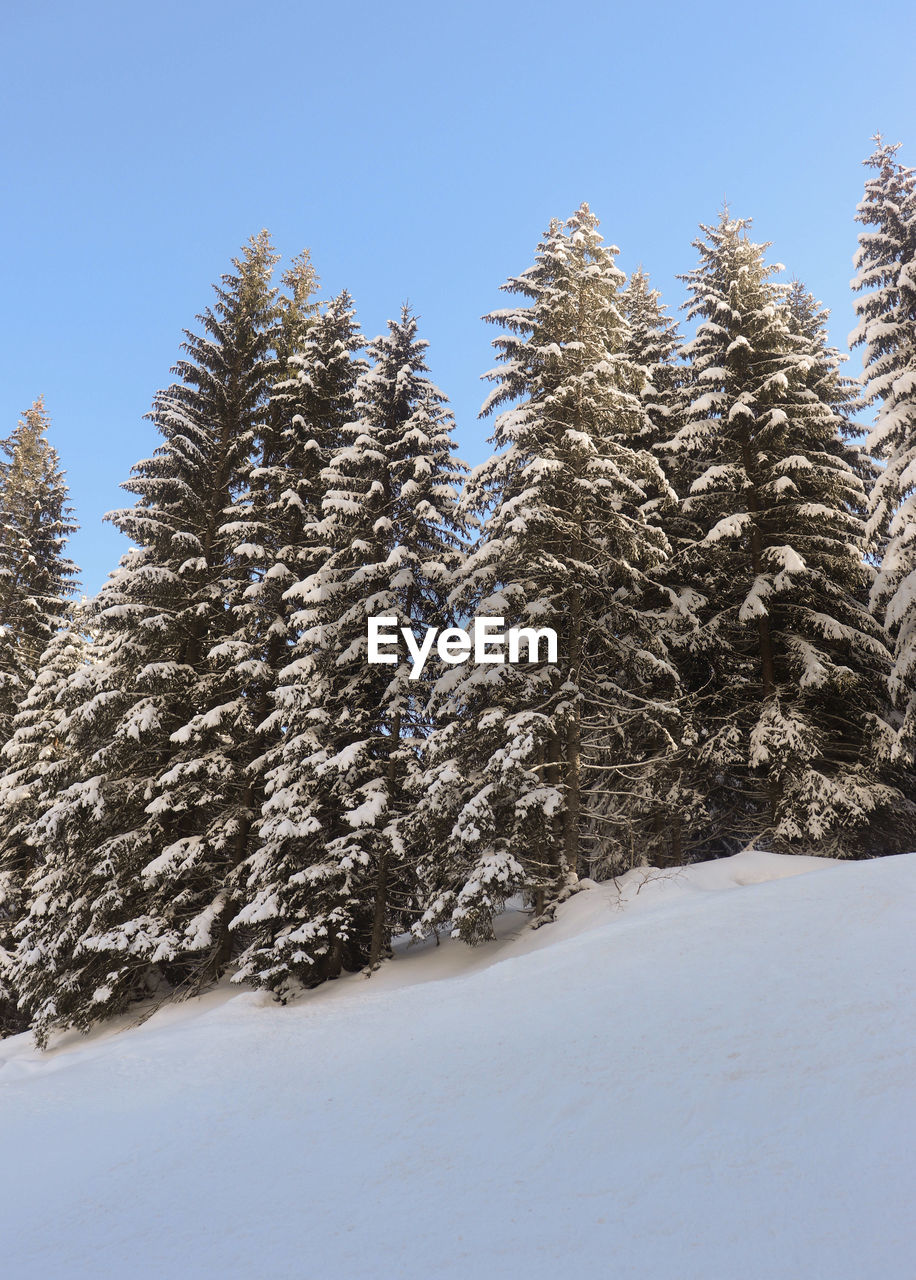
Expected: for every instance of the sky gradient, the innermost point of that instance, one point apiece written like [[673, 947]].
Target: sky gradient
[[419, 151]]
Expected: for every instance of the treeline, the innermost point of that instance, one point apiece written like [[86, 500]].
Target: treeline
[[203, 775]]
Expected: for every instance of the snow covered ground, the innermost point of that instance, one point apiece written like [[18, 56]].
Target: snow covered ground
[[672, 1081]]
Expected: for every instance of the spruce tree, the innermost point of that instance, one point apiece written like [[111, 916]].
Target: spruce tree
[[35, 767], [785, 661], [653, 343], [510, 785], [334, 875], [318, 400], [140, 847], [266, 516], [36, 576], [886, 278]]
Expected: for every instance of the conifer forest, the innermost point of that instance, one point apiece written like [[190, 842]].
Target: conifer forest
[[202, 776]]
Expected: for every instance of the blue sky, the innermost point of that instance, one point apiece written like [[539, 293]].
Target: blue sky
[[418, 151]]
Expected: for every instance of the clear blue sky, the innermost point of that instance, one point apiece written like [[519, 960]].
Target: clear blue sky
[[418, 150]]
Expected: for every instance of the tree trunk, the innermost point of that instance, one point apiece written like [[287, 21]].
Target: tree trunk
[[767, 664], [767, 659], [379, 932], [553, 837], [573, 747]]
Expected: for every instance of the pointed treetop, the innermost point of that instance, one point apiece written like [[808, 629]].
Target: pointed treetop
[[891, 173], [36, 418], [29, 432], [639, 285], [257, 261], [884, 152], [301, 282], [807, 313], [29, 451], [300, 278], [583, 220]]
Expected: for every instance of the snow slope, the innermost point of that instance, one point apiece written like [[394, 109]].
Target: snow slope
[[706, 1073]]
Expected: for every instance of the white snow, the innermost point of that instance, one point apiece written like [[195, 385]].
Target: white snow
[[691, 1075]]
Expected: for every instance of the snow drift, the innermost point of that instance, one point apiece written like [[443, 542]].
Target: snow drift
[[670, 1081]]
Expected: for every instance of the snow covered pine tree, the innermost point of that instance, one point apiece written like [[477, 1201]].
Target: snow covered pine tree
[[510, 791], [140, 848], [658, 804], [886, 277], [36, 583], [792, 695], [36, 766], [281, 879], [334, 874], [36, 577], [653, 343]]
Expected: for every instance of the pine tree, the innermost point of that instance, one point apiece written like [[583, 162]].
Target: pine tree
[[791, 695], [140, 847], [36, 577], [886, 272], [311, 408], [658, 807], [265, 519], [653, 343], [332, 875], [35, 768], [264, 529], [317, 405], [510, 787]]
